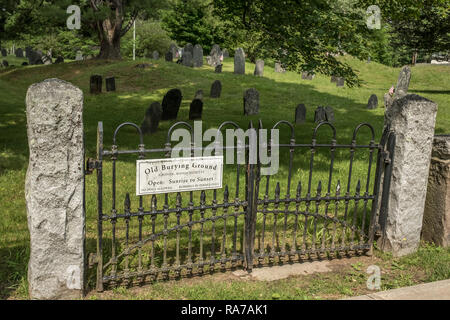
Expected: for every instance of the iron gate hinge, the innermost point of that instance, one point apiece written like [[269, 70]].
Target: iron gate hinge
[[92, 260], [91, 165]]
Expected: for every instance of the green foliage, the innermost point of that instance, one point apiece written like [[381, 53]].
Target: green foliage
[[149, 37]]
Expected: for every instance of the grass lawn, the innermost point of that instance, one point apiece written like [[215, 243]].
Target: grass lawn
[[137, 88]]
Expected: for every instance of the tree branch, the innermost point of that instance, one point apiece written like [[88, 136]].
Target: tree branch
[[130, 23]]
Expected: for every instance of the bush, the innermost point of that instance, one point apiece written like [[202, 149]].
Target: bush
[[149, 37]]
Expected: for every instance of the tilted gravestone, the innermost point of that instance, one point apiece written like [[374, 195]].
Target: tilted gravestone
[[199, 95], [174, 50], [171, 104], [155, 55], [60, 59], [5, 63], [35, 57], [251, 102], [373, 102], [96, 83], [152, 117], [402, 87], [110, 84], [216, 89], [198, 56], [239, 61], [308, 76], [214, 58], [187, 59], [320, 115], [340, 82], [279, 68], [54, 191], [19, 53], [169, 56], [300, 114], [4, 53], [259, 68], [196, 109], [218, 68], [225, 53], [47, 60]]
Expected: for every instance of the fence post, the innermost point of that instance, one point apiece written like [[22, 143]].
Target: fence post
[[54, 190], [412, 119]]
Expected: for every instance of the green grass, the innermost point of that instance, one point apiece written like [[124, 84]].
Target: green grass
[[137, 88]]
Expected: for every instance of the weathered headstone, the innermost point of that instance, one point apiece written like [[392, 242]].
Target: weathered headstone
[[251, 102], [4, 53], [155, 55], [199, 95], [19, 53], [79, 56], [152, 118], [35, 57], [215, 50], [196, 109], [47, 60], [340, 82], [198, 56], [96, 83], [436, 218], [320, 115], [279, 68], [189, 48], [214, 58], [110, 84], [218, 68], [54, 191], [5, 63], [60, 59], [216, 89], [174, 50], [171, 104], [412, 118], [259, 68], [329, 113], [373, 102], [403, 82], [300, 114], [187, 59], [308, 76], [239, 61], [169, 56]]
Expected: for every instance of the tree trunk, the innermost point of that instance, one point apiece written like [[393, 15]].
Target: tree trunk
[[110, 49]]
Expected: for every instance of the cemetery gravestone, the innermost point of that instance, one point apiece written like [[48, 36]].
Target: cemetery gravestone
[[308, 76], [259, 68], [340, 82], [96, 84], [199, 95], [155, 55], [225, 53], [60, 59], [196, 109], [79, 56], [198, 56], [218, 68], [329, 114], [189, 48], [46, 60], [239, 61], [320, 115], [300, 114], [216, 89], [28, 51], [110, 84], [251, 102], [334, 79], [279, 68], [35, 57], [171, 104], [152, 118], [4, 53], [169, 56], [187, 59], [19, 53], [174, 50], [403, 82], [373, 102], [5, 63]]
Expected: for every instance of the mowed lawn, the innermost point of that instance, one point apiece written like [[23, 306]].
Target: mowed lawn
[[138, 88]]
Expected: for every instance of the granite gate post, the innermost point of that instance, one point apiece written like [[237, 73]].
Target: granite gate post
[[412, 118], [54, 190]]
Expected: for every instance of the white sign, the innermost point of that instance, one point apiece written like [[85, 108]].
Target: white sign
[[178, 174]]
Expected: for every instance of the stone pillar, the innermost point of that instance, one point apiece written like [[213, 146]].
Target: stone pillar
[[54, 190], [412, 118], [436, 219]]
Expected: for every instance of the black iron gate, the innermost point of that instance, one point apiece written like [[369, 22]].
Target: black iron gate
[[262, 221]]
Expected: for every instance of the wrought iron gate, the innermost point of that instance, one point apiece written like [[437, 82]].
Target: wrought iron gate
[[262, 221]]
